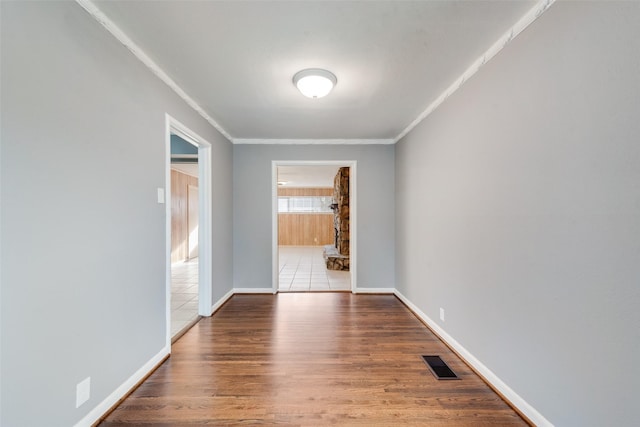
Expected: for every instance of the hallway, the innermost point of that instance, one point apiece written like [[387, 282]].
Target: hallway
[[310, 359]]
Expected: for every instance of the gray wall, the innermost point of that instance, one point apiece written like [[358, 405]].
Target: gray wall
[[518, 212], [83, 237], [252, 227]]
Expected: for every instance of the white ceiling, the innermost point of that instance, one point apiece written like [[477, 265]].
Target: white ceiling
[[307, 176], [236, 59]]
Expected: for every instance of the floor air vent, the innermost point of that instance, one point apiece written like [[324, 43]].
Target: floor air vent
[[439, 369]]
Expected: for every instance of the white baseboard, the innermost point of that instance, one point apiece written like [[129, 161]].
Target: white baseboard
[[529, 411], [374, 290], [101, 409], [221, 301], [253, 291]]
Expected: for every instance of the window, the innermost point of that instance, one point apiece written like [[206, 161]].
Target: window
[[304, 204]]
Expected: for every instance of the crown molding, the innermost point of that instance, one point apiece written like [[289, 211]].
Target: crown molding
[[533, 14], [122, 37], [276, 141]]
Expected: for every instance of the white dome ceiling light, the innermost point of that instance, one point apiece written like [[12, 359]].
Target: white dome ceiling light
[[314, 82]]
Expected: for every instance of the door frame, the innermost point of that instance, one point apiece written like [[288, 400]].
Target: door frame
[[205, 198], [353, 239]]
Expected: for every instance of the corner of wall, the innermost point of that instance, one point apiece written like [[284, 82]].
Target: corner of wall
[[512, 398], [124, 389]]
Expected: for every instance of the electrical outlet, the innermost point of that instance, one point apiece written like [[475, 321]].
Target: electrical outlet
[[83, 391], [442, 314]]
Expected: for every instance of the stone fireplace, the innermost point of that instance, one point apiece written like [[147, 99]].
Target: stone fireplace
[[337, 256]]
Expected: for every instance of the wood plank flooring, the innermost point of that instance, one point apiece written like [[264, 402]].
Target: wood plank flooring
[[310, 359]]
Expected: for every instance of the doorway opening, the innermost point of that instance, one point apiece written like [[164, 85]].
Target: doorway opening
[[314, 239], [188, 237]]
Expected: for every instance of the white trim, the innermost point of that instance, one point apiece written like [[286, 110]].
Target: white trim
[[282, 141], [220, 302], [269, 291], [533, 14], [353, 224], [110, 26], [500, 44], [205, 249], [101, 409], [529, 411], [205, 244], [184, 156], [275, 247], [167, 228], [349, 163], [374, 291], [353, 214]]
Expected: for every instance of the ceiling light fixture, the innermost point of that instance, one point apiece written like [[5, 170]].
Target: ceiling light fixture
[[314, 82]]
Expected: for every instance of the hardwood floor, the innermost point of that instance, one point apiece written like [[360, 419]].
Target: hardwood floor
[[308, 359]]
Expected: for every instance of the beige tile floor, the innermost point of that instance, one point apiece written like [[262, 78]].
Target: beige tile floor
[[184, 294], [302, 268]]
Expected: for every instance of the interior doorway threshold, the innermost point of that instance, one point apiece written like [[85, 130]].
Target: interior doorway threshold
[[184, 330]]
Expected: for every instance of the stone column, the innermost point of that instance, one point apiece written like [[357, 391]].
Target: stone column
[[341, 212]]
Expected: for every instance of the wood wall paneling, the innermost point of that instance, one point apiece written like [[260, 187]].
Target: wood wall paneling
[[305, 229], [180, 183]]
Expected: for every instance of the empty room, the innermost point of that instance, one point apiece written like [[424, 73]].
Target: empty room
[[471, 257]]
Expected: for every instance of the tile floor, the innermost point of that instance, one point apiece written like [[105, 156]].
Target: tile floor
[[302, 268], [184, 294]]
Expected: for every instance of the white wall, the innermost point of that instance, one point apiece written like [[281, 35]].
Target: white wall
[[518, 212], [252, 226], [83, 237]]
